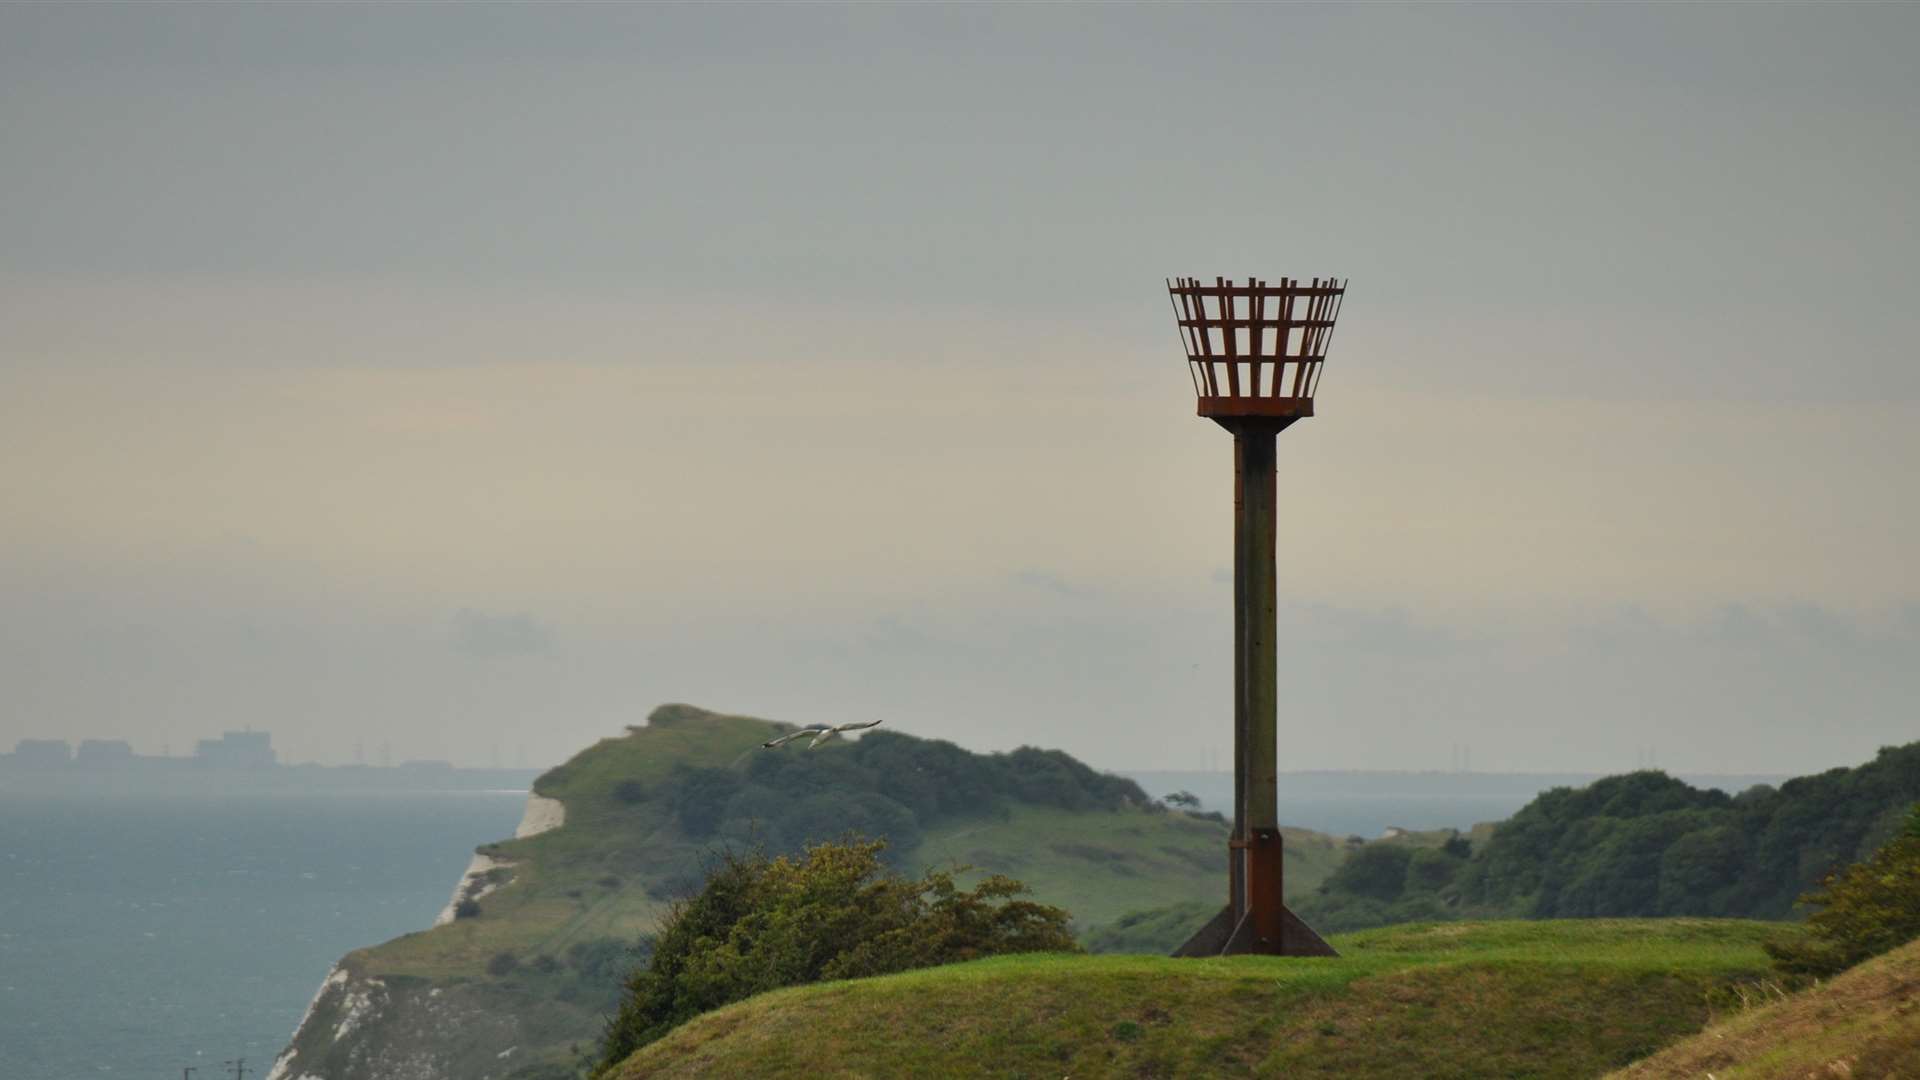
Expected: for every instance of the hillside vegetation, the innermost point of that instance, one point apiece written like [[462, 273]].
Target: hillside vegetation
[[1538, 999], [835, 912], [1642, 844], [537, 970], [1864, 1023]]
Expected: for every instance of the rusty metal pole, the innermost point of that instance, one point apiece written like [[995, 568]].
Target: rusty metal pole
[[1258, 686], [1256, 919], [1225, 338], [1237, 902]]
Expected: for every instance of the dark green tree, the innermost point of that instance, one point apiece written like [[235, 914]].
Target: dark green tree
[[1867, 909], [765, 922]]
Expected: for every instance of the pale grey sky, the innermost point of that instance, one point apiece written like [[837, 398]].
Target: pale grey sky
[[475, 377]]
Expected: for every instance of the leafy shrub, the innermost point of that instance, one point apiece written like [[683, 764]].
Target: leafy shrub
[[467, 908], [604, 958], [1869, 908], [502, 963], [1377, 872], [629, 792], [764, 922], [1431, 870], [700, 797]]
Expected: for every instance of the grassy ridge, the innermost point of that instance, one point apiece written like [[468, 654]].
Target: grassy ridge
[[538, 969], [1865, 1022], [1101, 866], [1538, 999], [614, 866]]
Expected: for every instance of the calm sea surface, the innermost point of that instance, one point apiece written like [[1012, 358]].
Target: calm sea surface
[[140, 935]]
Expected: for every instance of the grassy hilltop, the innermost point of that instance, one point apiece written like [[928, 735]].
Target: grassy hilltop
[[1535, 999], [536, 971], [624, 854]]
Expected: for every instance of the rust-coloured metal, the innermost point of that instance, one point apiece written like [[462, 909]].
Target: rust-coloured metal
[[1248, 354], [1255, 409]]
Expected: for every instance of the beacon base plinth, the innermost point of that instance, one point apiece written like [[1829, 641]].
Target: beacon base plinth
[[1222, 936]]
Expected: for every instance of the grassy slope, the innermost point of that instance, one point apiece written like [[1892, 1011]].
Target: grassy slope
[[1101, 866], [1537, 999], [606, 853], [1158, 930], [604, 874], [1098, 865], [1865, 1022]]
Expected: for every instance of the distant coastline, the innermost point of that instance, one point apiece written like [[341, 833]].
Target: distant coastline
[[237, 762], [1370, 803]]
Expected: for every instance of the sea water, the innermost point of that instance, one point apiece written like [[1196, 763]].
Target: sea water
[[143, 935]]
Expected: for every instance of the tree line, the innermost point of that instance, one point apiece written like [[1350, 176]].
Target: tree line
[[1641, 844], [884, 785]]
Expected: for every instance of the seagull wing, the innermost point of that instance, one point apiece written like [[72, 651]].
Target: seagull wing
[[821, 737], [858, 727], [788, 737]]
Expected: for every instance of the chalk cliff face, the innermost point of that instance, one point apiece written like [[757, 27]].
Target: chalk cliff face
[[515, 979], [363, 1026]]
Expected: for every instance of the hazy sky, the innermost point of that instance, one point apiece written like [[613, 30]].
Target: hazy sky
[[474, 378]]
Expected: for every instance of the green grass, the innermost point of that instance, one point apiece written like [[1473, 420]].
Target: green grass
[[1104, 865], [1555, 999], [605, 873], [1865, 1022], [609, 873]]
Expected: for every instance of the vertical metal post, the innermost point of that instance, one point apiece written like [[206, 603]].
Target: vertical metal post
[[1255, 608], [1255, 919], [1242, 543]]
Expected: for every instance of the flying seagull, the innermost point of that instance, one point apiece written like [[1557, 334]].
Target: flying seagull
[[820, 732]]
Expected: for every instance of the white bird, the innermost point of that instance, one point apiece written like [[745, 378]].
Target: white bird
[[820, 732]]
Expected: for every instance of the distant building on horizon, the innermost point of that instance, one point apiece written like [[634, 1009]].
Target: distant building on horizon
[[104, 754], [42, 753], [237, 750]]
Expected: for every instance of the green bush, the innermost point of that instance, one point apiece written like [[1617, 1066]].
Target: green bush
[[1867, 909], [1431, 869], [1375, 872], [1641, 844], [834, 913]]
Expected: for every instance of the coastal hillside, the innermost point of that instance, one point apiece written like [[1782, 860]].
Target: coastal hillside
[[1641, 844], [1865, 1023], [1534, 999], [519, 978]]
